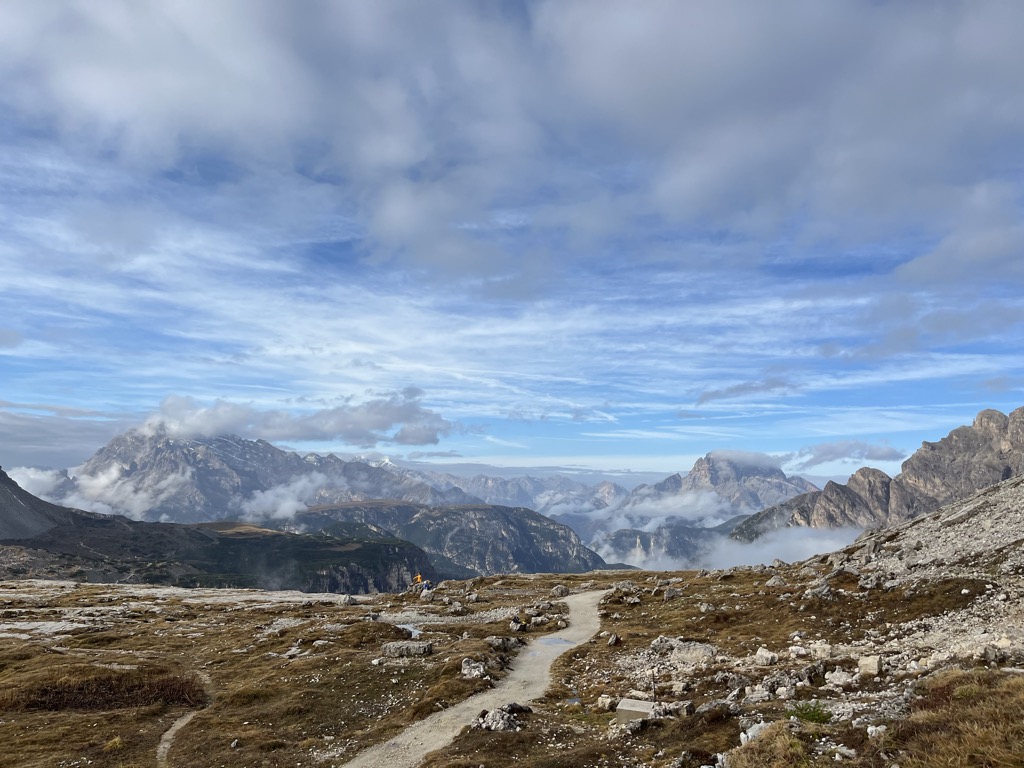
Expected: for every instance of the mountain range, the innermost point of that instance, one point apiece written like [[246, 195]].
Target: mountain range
[[968, 459], [460, 521], [157, 477]]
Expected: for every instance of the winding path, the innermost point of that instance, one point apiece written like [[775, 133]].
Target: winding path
[[167, 740], [528, 680]]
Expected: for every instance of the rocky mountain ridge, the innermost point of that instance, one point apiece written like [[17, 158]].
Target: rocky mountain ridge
[[157, 477], [680, 519], [477, 539], [969, 458]]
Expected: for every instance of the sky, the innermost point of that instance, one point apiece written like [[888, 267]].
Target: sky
[[572, 233]]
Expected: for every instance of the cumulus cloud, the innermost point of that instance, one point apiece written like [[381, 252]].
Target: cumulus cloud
[[111, 492], [742, 121], [44, 483], [789, 544], [844, 450], [108, 492], [283, 501], [749, 458], [397, 417]]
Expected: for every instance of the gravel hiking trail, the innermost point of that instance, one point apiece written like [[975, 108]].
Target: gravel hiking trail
[[167, 740], [529, 679]]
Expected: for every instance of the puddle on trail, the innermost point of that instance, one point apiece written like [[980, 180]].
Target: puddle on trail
[[555, 641]]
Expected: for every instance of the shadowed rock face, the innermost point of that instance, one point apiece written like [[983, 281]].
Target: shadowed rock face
[[968, 459], [23, 516], [480, 538]]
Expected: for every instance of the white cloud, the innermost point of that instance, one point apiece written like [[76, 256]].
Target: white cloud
[[552, 208], [283, 501], [397, 417], [845, 450], [39, 482], [749, 458], [788, 544]]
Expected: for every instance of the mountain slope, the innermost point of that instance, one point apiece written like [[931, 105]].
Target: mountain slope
[[40, 537], [968, 459], [482, 538], [23, 516]]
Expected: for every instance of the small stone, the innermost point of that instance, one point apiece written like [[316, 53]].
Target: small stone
[[404, 648], [869, 665]]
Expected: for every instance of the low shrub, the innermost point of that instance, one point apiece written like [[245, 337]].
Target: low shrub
[[809, 712]]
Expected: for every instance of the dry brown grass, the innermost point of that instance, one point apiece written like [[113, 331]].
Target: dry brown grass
[[964, 718], [329, 700], [85, 687], [775, 747]]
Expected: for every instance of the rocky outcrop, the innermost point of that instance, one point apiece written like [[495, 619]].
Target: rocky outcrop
[[747, 485], [968, 459]]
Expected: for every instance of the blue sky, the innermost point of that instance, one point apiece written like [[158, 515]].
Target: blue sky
[[577, 233]]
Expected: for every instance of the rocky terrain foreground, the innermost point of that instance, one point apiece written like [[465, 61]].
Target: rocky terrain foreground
[[904, 649]]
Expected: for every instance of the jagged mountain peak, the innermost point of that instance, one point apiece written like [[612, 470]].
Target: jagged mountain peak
[[968, 459], [158, 476], [720, 467]]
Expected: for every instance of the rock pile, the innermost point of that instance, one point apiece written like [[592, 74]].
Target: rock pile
[[504, 718]]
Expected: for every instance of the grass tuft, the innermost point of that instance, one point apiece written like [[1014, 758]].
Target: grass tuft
[[775, 747], [810, 712]]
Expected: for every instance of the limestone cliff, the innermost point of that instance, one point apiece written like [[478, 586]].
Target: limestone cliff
[[967, 460]]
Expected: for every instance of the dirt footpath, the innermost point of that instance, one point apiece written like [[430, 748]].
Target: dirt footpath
[[529, 679]]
